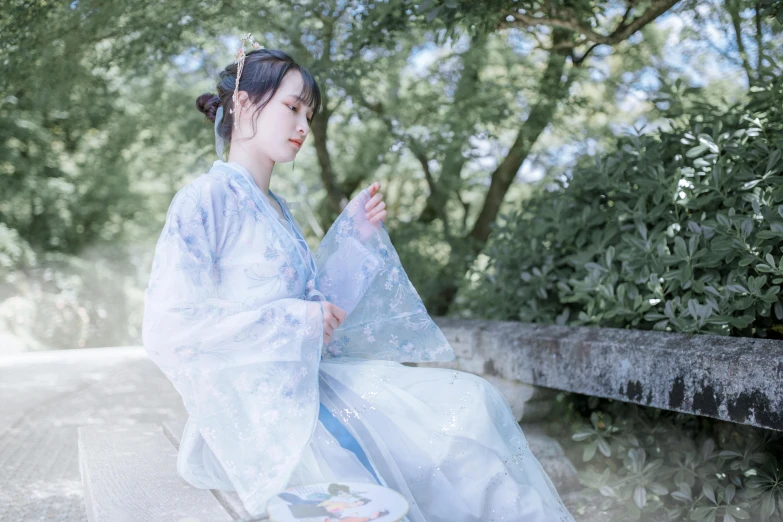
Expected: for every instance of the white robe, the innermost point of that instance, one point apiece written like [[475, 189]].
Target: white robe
[[233, 318]]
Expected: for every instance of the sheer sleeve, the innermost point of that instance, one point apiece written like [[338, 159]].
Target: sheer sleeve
[[226, 320], [360, 271]]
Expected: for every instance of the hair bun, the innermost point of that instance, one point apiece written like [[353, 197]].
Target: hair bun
[[208, 103]]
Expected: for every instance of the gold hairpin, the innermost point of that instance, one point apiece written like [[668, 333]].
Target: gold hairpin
[[240, 56]]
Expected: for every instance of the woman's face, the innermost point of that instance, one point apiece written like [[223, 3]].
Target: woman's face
[[280, 123]]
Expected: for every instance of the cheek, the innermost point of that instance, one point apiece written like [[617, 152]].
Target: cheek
[[272, 124]]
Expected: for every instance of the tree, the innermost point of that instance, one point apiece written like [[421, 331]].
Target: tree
[[743, 32], [568, 33]]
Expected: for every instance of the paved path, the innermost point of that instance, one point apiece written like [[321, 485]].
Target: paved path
[[44, 397]]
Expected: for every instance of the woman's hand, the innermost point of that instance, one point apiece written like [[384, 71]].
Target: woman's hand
[[375, 209], [334, 316]]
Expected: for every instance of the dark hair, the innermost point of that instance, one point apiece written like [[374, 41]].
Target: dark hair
[[262, 73], [336, 488]]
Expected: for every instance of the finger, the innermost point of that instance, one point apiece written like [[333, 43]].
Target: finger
[[380, 217], [375, 187], [340, 314], [334, 322], [327, 338], [378, 208], [373, 201]]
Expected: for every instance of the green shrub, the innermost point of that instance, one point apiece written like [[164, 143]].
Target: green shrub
[[661, 465], [676, 230]]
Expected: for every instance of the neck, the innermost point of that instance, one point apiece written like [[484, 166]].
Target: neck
[[259, 166]]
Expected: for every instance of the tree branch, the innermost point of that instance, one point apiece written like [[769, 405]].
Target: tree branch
[[378, 109], [622, 32], [577, 60], [553, 89], [462, 123], [466, 209], [736, 22], [759, 38]]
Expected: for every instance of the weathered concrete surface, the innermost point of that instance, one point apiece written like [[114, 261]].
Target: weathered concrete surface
[[728, 378], [44, 397]]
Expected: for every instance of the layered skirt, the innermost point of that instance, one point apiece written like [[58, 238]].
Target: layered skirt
[[446, 440]]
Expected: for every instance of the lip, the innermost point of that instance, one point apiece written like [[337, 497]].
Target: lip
[[298, 143]]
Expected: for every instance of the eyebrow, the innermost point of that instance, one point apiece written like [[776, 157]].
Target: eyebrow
[[300, 98]]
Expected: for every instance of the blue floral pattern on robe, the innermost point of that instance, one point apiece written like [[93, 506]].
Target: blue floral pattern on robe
[[233, 318]]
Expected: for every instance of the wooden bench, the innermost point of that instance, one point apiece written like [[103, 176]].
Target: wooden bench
[[129, 473]]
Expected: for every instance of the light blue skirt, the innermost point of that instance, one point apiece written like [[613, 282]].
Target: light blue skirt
[[446, 440]]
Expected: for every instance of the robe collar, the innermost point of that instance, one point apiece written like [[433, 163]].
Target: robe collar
[[243, 176]]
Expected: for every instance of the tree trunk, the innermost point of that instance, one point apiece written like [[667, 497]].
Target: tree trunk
[[335, 199], [733, 8], [450, 179], [553, 89]]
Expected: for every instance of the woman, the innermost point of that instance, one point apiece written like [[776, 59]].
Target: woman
[[288, 363]]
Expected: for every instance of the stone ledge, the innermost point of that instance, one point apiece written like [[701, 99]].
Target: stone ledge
[[736, 379]]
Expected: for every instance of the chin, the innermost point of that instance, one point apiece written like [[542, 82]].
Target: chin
[[287, 159], [284, 158]]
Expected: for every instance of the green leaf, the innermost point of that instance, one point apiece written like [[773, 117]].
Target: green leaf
[[604, 448], [589, 451], [709, 492], [640, 496], [738, 512], [729, 493], [768, 504], [698, 150], [701, 513]]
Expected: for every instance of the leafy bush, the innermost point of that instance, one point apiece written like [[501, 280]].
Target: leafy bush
[[652, 462], [15, 253], [677, 230]]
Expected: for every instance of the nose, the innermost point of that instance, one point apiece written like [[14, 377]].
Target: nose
[[302, 127]]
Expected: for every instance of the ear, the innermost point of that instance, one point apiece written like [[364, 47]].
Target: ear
[[244, 99]]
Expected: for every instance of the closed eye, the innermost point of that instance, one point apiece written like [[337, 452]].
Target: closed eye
[[296, 109]]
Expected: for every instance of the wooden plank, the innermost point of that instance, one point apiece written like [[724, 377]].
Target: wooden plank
[[130, 474], [228, 499]]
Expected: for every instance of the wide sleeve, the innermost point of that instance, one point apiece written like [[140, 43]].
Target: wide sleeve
[[359, 270], [225, 319]]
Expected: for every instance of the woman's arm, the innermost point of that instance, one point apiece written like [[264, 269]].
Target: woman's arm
[[359, 269], [189, 326], [240, 347]]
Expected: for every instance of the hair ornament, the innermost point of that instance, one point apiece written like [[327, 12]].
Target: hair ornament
[[240, 56], [220, 143]]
